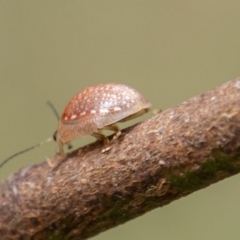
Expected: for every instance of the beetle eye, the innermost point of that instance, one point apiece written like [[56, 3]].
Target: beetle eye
[[55, 136]]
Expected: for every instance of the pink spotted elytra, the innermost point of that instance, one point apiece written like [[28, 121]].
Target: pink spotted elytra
[[97, 108], [94, 109]]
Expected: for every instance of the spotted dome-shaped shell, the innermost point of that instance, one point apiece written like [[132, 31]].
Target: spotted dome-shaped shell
[[99, 106]]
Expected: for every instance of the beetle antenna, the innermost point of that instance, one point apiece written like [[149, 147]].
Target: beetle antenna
[[53, 109], [35, 146], [25, 150]]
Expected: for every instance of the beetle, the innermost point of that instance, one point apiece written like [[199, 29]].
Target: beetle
[[97, 108]]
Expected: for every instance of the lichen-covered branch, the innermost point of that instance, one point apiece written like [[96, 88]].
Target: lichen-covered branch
[[169, 156]]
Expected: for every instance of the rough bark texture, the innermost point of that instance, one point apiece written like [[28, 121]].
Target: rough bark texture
[[169, 156]]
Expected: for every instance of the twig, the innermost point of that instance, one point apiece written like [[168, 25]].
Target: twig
[[169, 156]]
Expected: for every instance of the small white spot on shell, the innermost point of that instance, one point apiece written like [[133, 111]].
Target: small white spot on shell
[[93, 111], [73, 117], [103, 110], [127, 97], [128, 105], [82, 113], [66, 118], [114, 96], [117, 109]]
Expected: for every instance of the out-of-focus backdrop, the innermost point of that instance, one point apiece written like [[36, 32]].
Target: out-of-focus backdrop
[[168, 50]]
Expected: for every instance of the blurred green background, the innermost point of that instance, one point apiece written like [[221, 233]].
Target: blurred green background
[[168, 50]]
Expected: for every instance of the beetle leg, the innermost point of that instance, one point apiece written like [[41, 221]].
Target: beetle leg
[[60, 150], [101, 137], [113, 127], [156, 111]]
